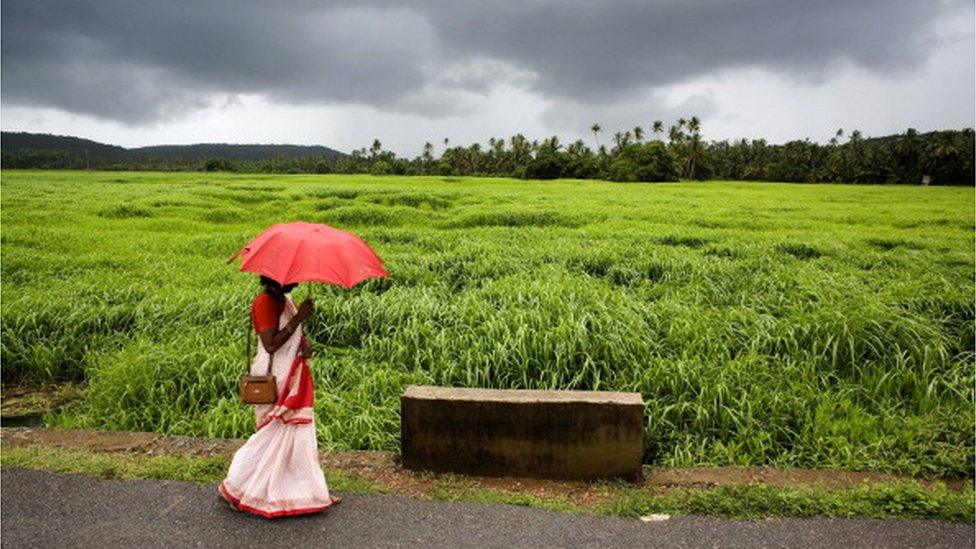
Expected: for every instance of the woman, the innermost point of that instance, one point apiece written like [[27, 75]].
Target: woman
[[277, 473]]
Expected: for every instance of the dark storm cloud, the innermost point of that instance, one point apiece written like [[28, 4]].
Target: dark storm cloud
[[146, 60], [140, 61], [586, 50]]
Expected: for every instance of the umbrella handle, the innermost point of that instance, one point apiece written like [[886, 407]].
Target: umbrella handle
[[235, 256]]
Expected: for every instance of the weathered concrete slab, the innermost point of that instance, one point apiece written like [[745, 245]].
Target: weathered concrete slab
[[545, 434]]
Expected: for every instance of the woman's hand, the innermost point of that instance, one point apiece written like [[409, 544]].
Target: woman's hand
[[304, 348], [305, 310]]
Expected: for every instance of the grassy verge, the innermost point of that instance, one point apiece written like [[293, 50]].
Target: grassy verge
[[447, 487], [137, 466], [903, 500]]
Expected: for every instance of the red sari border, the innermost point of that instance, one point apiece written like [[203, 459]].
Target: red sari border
[[236, 502], [295, 401]]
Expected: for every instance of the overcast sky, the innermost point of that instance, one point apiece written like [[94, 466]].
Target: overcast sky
[[341, 73]]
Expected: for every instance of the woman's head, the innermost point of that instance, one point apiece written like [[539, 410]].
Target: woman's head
[[272, 286]]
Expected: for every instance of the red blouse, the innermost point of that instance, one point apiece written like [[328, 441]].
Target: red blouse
[[265, 312]]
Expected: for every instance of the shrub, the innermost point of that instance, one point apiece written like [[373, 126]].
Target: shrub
[[218, 165], [648, 162], [547, 164], [381, 167]]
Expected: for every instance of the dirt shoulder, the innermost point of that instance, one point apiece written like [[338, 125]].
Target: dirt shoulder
[[20, 403], [383, 468]]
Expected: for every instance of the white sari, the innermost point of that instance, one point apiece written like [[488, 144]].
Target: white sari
[[277, 472]]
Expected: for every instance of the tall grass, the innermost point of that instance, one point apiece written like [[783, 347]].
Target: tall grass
[[820, 326]]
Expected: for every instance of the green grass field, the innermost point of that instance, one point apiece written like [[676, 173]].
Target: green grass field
[[801, 325]]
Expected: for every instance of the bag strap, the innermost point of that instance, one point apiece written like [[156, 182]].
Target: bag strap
[[271, 355]]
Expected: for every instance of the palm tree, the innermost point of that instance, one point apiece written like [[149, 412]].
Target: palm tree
[[595, 128], [944, 146], [520, 150], [854, 157], [638, 134], [657, 127], [496, 152], [695, 150], [499, 146], [577, 148], [473, 158], [675, 135]]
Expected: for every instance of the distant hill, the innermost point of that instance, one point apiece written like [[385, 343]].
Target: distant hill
[[15, 141], [237, 152], [11, 142]]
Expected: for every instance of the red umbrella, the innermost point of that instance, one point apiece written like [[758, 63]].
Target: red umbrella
[[310, 252]]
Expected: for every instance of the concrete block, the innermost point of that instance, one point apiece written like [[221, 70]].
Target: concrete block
[[543, 434]]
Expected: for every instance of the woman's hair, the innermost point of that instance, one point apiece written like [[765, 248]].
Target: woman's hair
[[272, 283]]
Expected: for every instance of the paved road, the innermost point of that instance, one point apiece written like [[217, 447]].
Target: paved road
[[56, 510]]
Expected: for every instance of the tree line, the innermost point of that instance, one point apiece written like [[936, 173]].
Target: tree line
[[656, 154]]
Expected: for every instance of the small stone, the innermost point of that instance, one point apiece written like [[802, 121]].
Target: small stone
[[656, 517]]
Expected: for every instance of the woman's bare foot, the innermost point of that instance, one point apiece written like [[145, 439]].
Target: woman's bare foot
[[228, 502], [336, 500]]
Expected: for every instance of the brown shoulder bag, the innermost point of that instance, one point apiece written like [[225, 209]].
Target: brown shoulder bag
[[258, 389]]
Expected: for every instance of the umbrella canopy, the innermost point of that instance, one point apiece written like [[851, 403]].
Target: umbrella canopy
[[310, 252]]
